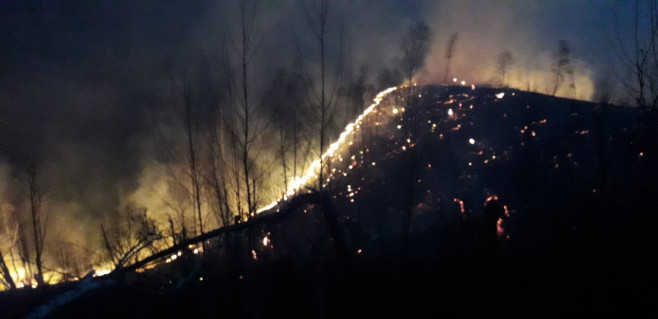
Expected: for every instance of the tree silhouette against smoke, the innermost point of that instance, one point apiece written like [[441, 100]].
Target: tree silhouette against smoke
[[129, 232], [246, 131], [505, 61], [289, 110], [6, 222], [190, 130], [317, 17], [450, 51], [39, 220], [564, 68], [415, 46]]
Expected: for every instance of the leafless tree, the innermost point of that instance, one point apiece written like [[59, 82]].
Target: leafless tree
[[191, 125], [72, 258], [129, 232], [247, 127], [450, 51], [217, 178], [415, 46], [564, 70], [640, 58], [5, 274], [38, 219], [7, 231], [317, 16], [505, 61]]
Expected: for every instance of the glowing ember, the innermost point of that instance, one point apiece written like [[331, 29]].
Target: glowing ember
[[471, 141], [500, 95], [499, 228], [461, 204]]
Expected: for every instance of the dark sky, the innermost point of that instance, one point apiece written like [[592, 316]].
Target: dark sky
[[82, 81]]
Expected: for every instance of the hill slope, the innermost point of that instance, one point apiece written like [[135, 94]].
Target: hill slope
[[569, 180]]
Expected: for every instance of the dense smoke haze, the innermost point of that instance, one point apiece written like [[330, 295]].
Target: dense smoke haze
[[94, 93]]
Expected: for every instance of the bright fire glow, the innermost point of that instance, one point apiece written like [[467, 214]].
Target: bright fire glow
[[314, 168]]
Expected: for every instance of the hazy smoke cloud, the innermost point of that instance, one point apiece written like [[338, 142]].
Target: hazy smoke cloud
[[530, 30]]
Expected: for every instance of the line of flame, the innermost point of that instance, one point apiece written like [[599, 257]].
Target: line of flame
[[312, 170]]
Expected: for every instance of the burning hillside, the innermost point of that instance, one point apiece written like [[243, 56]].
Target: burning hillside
[[404, 219]]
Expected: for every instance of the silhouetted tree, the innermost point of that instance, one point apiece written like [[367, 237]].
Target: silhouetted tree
[[5, 274], [450, 51], [564, 68], [324, 95], [286, 104], [415, 46], [191, 128], [505, 61], [640, 58], [129, 232], [39, 220]]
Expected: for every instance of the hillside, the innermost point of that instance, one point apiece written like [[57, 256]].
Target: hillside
[[571, 180]]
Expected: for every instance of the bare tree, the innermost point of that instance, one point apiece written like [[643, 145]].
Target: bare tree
[[415, 47], [450, 50], [5, 274], [564, 70], [217, 178], [5, 221], [129, 232], [324, 95], [39, 220], [245, 130], [505, 61], [190, 132], [640, 58]]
